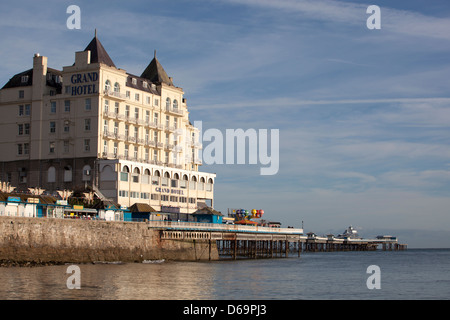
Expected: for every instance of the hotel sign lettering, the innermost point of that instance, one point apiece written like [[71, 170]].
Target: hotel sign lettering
[[168, 190], [84, 83]]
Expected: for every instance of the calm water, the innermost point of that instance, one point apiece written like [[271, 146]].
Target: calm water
[[411, 274]]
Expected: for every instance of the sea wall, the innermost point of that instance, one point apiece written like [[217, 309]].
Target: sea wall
[[45, 240]]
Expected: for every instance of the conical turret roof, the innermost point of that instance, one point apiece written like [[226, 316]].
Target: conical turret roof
[[98, 52], [156, 73]]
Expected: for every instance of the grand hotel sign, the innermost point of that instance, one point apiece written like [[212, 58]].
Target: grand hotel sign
[[84, 83]]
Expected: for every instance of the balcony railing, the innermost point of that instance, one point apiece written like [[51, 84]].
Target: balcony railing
[[175, 111], [114, 94]]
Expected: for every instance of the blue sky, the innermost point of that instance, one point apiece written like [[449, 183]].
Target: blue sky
[[363, 114]]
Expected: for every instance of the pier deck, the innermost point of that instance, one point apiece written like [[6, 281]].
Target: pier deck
[[239, 241]]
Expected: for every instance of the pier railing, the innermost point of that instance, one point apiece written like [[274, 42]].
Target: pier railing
[[203, 226]]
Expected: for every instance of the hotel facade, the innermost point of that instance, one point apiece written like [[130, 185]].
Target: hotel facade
[[94, 125]]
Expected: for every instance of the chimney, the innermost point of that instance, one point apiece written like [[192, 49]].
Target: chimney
[[39, 75]]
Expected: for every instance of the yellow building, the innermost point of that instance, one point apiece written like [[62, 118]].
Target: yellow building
[[93, 124]]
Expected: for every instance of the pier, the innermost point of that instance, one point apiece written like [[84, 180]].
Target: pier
[[252, 242]]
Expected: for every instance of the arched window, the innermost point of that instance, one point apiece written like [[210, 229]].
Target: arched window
[[51, 174], [135, 175], [107, 85], [155, 178], [201, 185], [146, 176], [124, 173], [116, 87], [67, 174], [108, 174], [175, 104], [193, 183], [167, 103], [87, 173], [174, 182], [165, 179], [209, 185], [184, 182]]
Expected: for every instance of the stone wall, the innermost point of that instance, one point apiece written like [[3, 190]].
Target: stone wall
[[46, 240]]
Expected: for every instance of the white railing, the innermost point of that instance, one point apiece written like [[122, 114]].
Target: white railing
[[201, 226]]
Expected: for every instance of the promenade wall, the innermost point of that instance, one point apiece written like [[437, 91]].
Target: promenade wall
[[47, 240]]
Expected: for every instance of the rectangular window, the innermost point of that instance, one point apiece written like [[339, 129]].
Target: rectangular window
[[20, 127], [19, 149], [136, 97], [127, 111], [126, 151], [135, 152], [106, 105], [164, 197], [26, 128], [26, 148], [156, 102], [66, 146], [154, 196], [167, 121], [87, 144], [115, 148], [116, 127], [116, 107], [51, 147], [66, 127], [105, 147], [136, 132], [67, 106], [147, 116], [155, 118], [155, 155], [87, 104], [174, 183], [155, 181], [87, 124], [136, 113], [124, 176], [21, 94], [53, 107], [173, 199], [52, 127], [27, 109], [21, 110]]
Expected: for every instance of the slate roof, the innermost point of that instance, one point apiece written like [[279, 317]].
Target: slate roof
[[98, 53], [156, 73], [16, 80]]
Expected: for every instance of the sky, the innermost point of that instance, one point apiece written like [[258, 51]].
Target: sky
[[363, 114]]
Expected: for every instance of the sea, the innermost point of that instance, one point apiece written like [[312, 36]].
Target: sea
[[413, 274]]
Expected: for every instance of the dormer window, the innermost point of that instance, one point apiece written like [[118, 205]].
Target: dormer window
[[24, 79], [134, 81], [144, 84]]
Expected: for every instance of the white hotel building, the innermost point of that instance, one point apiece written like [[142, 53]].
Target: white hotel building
[[93, 124]]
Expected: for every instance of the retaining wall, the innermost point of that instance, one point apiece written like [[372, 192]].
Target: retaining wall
[[46, 240]]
